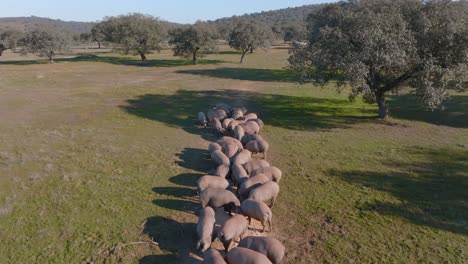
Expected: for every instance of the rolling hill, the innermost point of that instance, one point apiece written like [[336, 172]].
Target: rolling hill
[[275, 18], [23, 23], [278, 20]]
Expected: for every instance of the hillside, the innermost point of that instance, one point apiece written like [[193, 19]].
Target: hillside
[[22, 23], [278, 20], [275, 17]]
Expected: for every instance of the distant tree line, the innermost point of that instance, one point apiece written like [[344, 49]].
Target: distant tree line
[[139, 34], [142, 34], [286, 24], [26, 23]]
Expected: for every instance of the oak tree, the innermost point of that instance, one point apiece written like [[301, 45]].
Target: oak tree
[[46, 42], [248, 35], [379, 46], [98, 34], [9, 40], [193, 41], [134, 33]]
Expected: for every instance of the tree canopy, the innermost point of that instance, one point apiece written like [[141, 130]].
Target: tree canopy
[[45, 42], [193, 41], [248, 35], [134, 33], [98, 34], [9, 39], [378, 46], [294, 32]]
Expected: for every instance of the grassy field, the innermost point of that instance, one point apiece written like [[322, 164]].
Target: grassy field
[[100, 151]]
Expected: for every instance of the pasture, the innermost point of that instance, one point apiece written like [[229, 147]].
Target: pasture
[[99, 150]]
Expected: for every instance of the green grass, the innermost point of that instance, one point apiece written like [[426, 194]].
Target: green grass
[[118, 60], [96, 154], [268, 75]]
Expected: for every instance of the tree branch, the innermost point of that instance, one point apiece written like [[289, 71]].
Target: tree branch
[[402, 78]]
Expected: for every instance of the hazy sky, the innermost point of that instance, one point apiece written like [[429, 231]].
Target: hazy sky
[[182, 11]]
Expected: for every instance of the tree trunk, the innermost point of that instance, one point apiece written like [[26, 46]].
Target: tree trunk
[[143, 56], [251, 50], [383, 109], [243, 54], [51, 60], [99, 44], [194, 58], [1, 51]]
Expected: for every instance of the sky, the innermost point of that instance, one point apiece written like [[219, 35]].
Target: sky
[[181, 11]]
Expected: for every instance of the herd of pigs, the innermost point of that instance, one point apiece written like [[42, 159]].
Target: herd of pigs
[[242, 185]]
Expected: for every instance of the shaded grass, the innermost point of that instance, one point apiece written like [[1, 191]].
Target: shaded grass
[[250, 74], [455, 113], [431, 193], [151, 259], [227, 52], [171, 235], [175, 191], [176, 204], [192, 158], [127, 61], [186, 179], [291, 112]]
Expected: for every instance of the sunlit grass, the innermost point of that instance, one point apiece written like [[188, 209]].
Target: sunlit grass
[[96, 153]]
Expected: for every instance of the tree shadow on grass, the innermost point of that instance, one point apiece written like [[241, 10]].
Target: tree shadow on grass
[[291, 112], [186, 179], [178, 205], [194, 159], [175, 191], [250, 74], [128, 61], [173, 236], [226, 52], [455, 114], [176, 235], [152, 259], [433, 192]]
